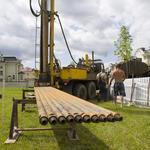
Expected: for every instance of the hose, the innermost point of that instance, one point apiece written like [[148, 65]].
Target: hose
[[33, 12], [45, 11], [65, 38]]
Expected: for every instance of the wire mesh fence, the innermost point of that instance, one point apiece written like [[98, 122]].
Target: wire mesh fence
[[138, 94]]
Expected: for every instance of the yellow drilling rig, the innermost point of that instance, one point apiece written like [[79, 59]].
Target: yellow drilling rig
[[78, 79]]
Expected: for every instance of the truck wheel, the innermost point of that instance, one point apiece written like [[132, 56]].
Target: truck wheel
[[91, 90], [80, 91]]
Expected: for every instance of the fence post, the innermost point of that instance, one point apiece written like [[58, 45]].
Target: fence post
[[148, 89], [132, 89]]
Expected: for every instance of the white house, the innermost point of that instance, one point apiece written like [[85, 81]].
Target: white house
[[27, 74], [10, 68], [144, 55]]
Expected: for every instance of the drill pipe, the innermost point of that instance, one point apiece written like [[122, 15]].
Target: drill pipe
[[94, 107], [51, 116], [49, 104], [72, 110], [65, 107], [50, 113], [73, 105], [94, 118], [117, 117], [42, 113], [61, 118], [110, 118], [86, 118], [43, 120], [65, 114], [102, 118], [76, 108], [68, 116]]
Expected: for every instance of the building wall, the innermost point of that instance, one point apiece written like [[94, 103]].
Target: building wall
[[146, 58], [9, 70], [145, 55], [2, 71], [29, 75]]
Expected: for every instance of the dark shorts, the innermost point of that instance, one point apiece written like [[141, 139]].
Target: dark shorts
[[119, 89]]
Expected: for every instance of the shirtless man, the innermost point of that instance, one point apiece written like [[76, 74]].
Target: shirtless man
[[119, 76]]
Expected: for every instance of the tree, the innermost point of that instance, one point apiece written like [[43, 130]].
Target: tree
[[123, 44]]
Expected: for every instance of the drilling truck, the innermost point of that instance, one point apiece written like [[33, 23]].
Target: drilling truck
[[78, 79]]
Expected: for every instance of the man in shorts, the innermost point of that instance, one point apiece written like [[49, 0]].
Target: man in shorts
[[119, 76]]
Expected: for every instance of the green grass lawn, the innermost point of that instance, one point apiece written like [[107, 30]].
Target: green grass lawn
[[133, 133]]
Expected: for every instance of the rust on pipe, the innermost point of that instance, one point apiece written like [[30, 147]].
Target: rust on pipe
[[43, 120], [117, 117], [102, 118], [71, 110], [42, 113], [59, 107], [110, 118], [53, 120], [95, 118], [86, 118], [78, 118]]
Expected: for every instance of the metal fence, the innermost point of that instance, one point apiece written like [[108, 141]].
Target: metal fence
[[138, 91], [21, 84]]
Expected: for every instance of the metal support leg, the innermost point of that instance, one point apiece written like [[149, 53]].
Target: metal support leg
[[13, 134], [15, 131], [23, 104], [24, 97], [72, 134]]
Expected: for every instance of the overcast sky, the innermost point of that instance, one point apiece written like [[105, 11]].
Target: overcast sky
[[90, 25]]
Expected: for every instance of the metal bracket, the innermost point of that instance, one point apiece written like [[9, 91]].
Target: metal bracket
[[13, 135], [24, 97], [15, 131], [72, 134]]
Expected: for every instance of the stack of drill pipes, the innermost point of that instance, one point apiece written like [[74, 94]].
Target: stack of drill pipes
[[109, 114], [71, 110], [68, 107], [49, 110], [88, 105], [82, 110], [49, 104], [54, 101], [75, 101], [85, 110], [77, 112], [43, 119]]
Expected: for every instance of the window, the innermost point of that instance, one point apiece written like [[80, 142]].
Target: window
[[1, 73], [13, 76], [1, 67], [21, 76]]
